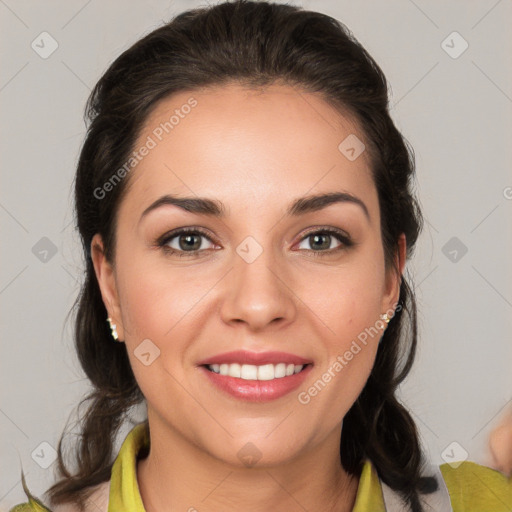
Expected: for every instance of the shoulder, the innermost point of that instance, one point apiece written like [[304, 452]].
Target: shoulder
[[123, 476], [96, 502], [476, 487]]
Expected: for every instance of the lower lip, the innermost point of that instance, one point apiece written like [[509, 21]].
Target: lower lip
[[257, 390]]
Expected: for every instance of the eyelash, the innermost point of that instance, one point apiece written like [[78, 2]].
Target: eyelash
[[162, 242]]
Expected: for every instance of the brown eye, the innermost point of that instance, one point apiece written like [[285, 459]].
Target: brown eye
[[184, 242], [189, 241], [320, 241]]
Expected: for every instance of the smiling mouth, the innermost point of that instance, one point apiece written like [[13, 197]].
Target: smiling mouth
[[256, 372]]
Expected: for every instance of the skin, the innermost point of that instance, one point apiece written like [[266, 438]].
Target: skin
[[500, 445], [255, 151]]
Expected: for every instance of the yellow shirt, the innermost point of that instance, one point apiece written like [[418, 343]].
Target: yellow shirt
[[472, 487]]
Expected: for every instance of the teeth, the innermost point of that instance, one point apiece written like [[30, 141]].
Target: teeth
[[266, 372], [234, 370], [280, 370], [252, 372], [249, 372]]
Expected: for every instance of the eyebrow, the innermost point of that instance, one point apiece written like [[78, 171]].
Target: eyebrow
[[215, 208]]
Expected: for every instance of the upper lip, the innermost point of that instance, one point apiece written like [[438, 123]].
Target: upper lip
[[254, 358]]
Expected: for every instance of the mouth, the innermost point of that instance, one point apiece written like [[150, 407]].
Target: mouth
[[263, 372], [255, 377]]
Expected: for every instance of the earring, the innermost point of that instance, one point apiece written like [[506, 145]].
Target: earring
[[385, 318], [113, 328]]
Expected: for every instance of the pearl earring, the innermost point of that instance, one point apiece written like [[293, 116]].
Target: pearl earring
[[385, 318], [113, 328]]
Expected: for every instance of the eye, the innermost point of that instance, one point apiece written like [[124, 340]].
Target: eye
[[184, 242], [188, 242], [321, 241]]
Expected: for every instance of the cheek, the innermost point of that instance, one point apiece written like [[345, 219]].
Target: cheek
[[156, 306], [350, 299], [349, 306], [154, 299]]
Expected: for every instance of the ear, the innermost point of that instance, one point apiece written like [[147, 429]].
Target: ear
[[394, 277], [106, 278]]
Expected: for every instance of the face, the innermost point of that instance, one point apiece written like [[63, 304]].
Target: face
[[289, 289]]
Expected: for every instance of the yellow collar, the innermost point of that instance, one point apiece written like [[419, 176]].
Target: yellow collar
[[125, 494]]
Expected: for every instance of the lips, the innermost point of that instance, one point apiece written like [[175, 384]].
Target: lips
[[253, 376], [255, 358]]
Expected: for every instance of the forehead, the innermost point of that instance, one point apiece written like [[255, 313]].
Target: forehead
[[247, 147]]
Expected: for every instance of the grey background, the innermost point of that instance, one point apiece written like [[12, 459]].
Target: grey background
[[454, 111]]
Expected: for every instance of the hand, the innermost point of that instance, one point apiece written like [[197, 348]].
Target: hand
[[500, 444]]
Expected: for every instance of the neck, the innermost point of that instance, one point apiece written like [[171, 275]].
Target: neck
[[177, 475]]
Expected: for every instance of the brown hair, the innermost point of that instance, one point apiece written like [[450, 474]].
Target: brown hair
[[255, 44]]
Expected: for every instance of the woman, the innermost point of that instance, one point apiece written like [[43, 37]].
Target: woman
[[244, 201]]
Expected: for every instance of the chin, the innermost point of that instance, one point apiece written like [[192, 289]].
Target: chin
[[255, 451]]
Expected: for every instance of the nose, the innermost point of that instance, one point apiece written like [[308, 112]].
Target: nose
[[257, 294]]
